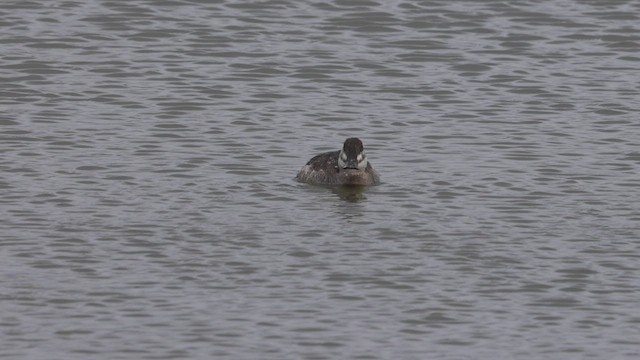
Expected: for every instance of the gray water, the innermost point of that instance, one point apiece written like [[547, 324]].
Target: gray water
[[149, 208]]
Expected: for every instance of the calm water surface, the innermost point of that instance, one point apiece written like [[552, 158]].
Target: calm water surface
[[148, 206]]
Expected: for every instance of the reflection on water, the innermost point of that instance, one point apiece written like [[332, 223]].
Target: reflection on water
[[147, 207], [348, 193]]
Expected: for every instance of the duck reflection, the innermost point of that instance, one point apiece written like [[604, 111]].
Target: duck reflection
[[350, 193]]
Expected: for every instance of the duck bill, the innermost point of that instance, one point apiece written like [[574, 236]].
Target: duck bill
[[351, 164]]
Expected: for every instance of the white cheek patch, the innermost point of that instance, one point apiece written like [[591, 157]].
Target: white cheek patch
[[362, 162], [341, 160]]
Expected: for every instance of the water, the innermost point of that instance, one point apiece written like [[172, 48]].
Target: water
[[149, 208]]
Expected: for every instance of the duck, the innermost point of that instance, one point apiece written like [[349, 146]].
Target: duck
[[348, 166]]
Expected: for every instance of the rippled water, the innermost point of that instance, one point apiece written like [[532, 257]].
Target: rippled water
[[149, 208]]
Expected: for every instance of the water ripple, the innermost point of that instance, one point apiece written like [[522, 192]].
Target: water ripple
[[149, 151]]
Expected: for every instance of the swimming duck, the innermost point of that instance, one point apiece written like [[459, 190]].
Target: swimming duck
[[348, 166]]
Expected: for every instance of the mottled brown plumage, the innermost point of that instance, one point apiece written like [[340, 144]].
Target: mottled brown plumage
[[346, 167]]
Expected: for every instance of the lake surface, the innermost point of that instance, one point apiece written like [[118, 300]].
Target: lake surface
[[149, 207]]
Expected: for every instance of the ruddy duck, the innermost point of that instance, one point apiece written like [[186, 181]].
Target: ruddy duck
[[348, 166]]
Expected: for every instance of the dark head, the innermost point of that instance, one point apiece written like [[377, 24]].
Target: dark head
[[352, 155]]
